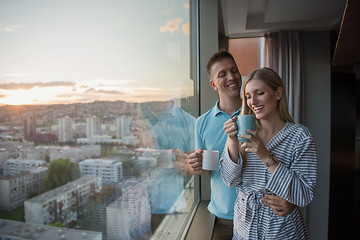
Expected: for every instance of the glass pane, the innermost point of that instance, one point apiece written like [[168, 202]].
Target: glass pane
[[97, 112], [246, 52]]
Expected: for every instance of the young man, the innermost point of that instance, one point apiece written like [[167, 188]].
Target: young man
[[225, 78]]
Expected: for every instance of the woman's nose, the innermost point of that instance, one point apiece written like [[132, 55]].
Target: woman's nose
[[253, 100]]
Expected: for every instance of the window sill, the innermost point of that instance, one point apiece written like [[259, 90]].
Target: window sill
[[202, 225]]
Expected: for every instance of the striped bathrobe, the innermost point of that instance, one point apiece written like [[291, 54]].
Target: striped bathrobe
[[294, 180]]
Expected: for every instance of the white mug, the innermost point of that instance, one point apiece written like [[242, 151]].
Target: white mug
[[210, 160]]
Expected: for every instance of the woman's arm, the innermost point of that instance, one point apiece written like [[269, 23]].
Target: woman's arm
[[297, 183], [231, 162]]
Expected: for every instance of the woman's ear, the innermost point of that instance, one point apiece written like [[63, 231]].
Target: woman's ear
[[279, 93]]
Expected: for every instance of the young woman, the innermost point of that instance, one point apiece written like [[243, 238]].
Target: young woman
[[279, 160]]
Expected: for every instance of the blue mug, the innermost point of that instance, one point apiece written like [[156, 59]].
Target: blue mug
[[245, 122]]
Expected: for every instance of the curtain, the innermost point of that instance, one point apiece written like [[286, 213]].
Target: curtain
[[282, 53]]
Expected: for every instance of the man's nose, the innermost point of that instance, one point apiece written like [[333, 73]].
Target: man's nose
[[231, 75]]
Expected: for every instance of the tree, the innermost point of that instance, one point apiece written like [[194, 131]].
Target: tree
[[60, 172], [57, 224]]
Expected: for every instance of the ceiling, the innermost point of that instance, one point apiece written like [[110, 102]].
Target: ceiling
[[245, 18]]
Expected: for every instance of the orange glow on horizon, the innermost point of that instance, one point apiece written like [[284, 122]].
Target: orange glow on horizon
[[28, 97]]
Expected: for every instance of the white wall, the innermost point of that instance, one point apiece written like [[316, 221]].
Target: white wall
[[208, 45], [317, 99]]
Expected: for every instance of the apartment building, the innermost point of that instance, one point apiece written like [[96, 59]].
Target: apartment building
[[98, 139], [129, 217], [30, 127], [123, 126], [75, 154], [110, 170], [65, 204], [19, 230], [15, 166], [4, 155], [16, 148], [79, 130], [93, 126], [15, 189], [65, 129]]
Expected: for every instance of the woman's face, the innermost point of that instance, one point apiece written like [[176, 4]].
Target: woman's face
[[261, 99]]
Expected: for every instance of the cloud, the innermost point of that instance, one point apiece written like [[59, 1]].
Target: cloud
[[14, 75], [13, 28], [172, 25], [186, 29], [67, 95], [110, 92], [26, 86], [166, 12], [90, 90]]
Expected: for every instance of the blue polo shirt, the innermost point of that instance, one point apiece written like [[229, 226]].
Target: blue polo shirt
[[174, 128], [210, 135]]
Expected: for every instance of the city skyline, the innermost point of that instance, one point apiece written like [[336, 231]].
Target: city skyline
[[62, 52]]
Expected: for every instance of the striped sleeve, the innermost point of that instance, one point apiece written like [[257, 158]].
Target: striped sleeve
[[231, 172], [297, 183]]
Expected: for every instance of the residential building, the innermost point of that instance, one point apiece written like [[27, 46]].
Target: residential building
[[65, 129], [66, 203], [129, 217], [98, 139], [110, 170], [93, 126], [123, 126], [21, 231], [4, 155], [15, 166], [79, 130], [30, 127], [75, 154], [15, 189]]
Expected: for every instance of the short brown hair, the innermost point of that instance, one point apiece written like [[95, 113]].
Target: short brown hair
[[218, 56]]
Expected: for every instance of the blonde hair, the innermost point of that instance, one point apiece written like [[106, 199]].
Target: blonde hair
[[273, 80]]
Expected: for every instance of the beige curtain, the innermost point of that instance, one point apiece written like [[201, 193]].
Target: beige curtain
[[282, 52]]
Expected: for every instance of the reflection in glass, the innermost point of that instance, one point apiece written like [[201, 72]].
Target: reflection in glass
[[96, 118]]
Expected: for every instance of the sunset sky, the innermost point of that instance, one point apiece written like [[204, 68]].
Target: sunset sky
[[65, 51]]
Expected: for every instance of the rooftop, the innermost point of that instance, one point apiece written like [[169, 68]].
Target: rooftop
[[19, 230], [63, 189]]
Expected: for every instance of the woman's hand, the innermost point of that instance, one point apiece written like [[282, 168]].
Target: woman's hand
[[232, 143], [255, 145], [230, 128]]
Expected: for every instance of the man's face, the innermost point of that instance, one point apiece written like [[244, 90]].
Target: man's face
[[225, 78]]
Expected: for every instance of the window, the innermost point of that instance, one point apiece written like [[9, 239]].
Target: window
[[247, 53], [97, 81]]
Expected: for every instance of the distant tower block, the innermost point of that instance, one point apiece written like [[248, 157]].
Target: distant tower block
[[30, 127]]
